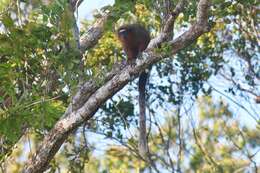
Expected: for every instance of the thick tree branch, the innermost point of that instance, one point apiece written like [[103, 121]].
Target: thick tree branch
[[167, 30], [98, 95], [91, 37], [75, 4], [170, 22], [201, 26]]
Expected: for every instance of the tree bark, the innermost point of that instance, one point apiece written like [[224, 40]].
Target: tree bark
[[91, 96]]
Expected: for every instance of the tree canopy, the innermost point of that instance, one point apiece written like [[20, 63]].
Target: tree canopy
[[68, 100]]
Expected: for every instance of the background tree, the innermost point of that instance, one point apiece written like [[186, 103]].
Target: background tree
[[59, 86]]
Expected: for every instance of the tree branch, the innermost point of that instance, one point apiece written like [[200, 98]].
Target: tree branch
[[91, 37], [167, 30], [96, 95], [75, 3]]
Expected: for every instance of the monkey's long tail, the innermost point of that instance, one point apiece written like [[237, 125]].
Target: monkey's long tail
[[142, 146]]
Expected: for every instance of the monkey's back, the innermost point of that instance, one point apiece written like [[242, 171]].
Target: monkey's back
[[142, 36]]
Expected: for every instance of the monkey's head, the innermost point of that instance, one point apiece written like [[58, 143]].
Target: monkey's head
[[123, 33], [134, 39]]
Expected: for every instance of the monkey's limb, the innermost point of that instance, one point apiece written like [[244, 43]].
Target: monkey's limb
[[142, 145]]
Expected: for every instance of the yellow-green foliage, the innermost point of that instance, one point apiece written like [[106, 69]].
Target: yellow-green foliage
[[105, 54], [119, 159], [109, 50], [3, 4], [141, 15]]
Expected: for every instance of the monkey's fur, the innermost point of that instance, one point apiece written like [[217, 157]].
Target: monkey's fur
[[135, 39]]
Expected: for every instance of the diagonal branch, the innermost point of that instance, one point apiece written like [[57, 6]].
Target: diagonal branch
[[201, 26], [75, 117], [91, 37], [167, 30], [75, 4], [170, 22]]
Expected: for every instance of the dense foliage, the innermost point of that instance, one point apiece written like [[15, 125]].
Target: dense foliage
[[203, 116]]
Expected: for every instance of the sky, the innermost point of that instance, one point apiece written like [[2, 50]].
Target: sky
[[85, 12], [88, 6]]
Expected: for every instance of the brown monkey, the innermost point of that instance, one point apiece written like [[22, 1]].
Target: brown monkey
[[135, 39]]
